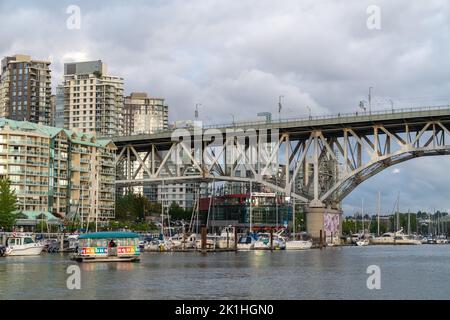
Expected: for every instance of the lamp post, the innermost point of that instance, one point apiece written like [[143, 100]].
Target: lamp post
[[232, 115], [279, 107], [196, 110], [309, 112], [370, 99]]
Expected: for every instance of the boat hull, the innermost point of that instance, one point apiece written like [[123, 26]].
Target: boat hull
[[298, 245], [24, 251]]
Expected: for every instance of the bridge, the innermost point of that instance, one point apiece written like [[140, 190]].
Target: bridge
[[317, 161]]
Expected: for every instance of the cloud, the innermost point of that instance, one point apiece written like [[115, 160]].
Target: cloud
[[238, 57]]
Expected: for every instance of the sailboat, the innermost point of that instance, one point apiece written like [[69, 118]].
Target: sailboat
[[364, 241], [297, 244]]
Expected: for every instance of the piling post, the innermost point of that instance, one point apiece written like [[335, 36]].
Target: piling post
[[228, 239], [320, 239], [61, 243], [4, 239], [235, 239], [183, 244], [271, 239], [203, 230]]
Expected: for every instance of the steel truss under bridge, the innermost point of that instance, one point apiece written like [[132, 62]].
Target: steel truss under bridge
[[318, 161]]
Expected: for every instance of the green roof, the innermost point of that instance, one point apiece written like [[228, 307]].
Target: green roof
[[33, 215], [52, 132], [108, 235]]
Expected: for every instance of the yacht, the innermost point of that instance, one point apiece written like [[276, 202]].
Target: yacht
[[298, 244], [302, 243], [246, 243], [23, 246], [396, 238], [263, 242], [362, 242], [226, 239]]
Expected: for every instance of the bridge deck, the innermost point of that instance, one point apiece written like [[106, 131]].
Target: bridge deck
[[303, 126]]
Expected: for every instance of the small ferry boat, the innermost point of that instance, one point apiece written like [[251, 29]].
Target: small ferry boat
[[21, 245], [108, 247]]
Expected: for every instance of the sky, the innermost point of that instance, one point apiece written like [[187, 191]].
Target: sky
[[236, 58]]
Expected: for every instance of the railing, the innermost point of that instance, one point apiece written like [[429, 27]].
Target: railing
[[340, 116]]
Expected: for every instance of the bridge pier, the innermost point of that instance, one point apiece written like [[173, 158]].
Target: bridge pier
[[325, 219]]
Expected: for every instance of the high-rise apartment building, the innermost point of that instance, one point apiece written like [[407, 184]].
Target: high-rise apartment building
[[57, 172], [93, 100], [25, 89], [144, 114]]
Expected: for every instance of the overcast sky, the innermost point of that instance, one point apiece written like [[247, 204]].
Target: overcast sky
[[238, 57]]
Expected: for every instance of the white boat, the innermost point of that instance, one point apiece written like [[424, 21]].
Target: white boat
[[211, 241], [396, 238], [362, 242], [226, 238], [246, 243], [298, 244], [23, 246], [263, 242]]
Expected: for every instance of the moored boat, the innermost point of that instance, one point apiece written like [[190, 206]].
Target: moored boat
[[298, 244], [22, 245]]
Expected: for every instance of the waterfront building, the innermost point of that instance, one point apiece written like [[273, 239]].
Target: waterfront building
[[93, 100], [58, 173], [25, 89], [268, 210], [144, 114]]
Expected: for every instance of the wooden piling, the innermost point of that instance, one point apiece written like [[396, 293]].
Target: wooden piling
[[320, 239], [271, 239], [61, 243], [4, 239], [203, 239], [235, 239]]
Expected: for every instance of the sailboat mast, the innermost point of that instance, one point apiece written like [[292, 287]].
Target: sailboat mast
[[251, 209], [398, 211], [362, 214], [409, 222], [378, 214]]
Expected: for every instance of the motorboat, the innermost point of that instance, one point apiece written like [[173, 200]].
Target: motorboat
[[362, 242], [263, 242], [298, 244], [401, 238], [300, 241], [441, 240], [246, 243], [226, 239], [20, 245]]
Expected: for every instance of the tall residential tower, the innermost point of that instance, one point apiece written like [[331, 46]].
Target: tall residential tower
[[25, 89], [93, 100]]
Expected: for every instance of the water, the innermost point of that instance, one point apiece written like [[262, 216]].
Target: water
[[407, 272]]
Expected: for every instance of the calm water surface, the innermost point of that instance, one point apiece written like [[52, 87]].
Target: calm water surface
[[407, 272]]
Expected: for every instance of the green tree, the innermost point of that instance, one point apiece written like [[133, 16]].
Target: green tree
[[8, 205], [135, 207], [176, 212]]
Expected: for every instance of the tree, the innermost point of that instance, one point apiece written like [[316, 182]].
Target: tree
[[8, 205], [135, 207], [176, 212]]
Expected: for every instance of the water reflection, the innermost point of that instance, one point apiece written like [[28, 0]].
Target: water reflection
[[332, 273]]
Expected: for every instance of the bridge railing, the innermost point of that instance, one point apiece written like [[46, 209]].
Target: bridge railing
[[339, 116]]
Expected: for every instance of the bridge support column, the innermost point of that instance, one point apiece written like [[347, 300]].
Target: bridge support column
[[327, 220]]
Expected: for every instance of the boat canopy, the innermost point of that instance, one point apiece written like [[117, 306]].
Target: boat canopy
[[108, 235]]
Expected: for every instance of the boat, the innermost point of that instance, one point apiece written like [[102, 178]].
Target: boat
[[441, 239], [298, 244], [263, 242], [301, 242], [362, 242], [226, 238], [108, 247], [401, 238], [22, 245], [246, 243]]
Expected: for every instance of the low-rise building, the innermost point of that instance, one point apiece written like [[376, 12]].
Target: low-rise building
[[57, 172]]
